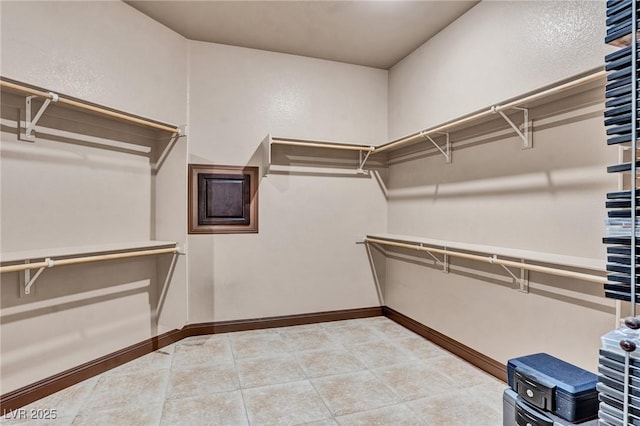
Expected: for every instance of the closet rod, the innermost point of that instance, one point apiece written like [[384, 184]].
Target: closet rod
[[492, 110], [322, 145], [495, 261], [86, 259], [82, 105]]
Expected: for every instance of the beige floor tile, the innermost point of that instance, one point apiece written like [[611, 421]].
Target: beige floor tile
[[306, 338], [491, 393], [353, 392], [23, 418], [202, 339], [284, 404], [380, 353], [396, 415], [354, 333], [460, 408], [268, 371], [217, 409], [341, 323], [460, 371], [198, 380], [257, 345], [391, 330], [372, 320], [206, 352], [325, 422], [315, 326], [202, 380], [328, 362], [241, 334], [122, 390], [142, 415], [66, 403], [415, 380], [157, 360], [421, 347]]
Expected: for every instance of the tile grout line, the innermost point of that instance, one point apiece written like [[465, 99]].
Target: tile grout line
[[370, 330], [86, 398], [166, 386], [235, 366], [292, 353]]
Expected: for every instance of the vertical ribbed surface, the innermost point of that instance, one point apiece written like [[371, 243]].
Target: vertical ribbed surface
[[619, 374]]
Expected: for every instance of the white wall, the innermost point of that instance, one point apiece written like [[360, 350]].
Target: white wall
[[68, 191], [304, 258], [497, 50], [548, 199]]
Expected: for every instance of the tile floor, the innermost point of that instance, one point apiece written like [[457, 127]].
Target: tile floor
[[364, 372]]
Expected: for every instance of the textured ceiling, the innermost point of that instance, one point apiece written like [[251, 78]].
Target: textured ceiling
[[371, 33]]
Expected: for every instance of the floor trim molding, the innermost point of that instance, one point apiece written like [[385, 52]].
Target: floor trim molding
[[281, 321], [470, 355], [43, 388]]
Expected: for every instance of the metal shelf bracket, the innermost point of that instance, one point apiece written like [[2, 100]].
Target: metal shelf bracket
[[522, 281], [444, 262], [525, 134], [30, 280], [30, 123], [363, 160], [447, 151]]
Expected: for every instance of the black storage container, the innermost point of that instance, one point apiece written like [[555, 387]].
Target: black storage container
[[515, 412], [553, 385]]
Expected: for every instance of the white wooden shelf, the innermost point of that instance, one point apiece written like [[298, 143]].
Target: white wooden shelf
[[532, 256], [521, 104], [37, 254], [49, 97], [269, 141], [526, 260], [41, 259]]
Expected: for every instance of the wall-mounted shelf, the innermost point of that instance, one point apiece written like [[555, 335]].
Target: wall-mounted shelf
[[430, 134], [519, 104], [269, 141], [528, 260], [49, 97], [41, 259]]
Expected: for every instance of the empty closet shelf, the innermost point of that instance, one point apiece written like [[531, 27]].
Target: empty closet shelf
[[29, 259], [48, 96], [489, 254]]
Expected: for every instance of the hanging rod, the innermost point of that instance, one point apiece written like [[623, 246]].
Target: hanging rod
[[48, 263], [494, 260], [86, 106], [322, 145], [491, 111]]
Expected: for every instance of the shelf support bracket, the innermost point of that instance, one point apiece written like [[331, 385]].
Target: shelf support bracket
[[363, 161], [444, 262], [163, 156], [522, 281], [447, 151], [30, 123], [526, 133], [30, 280]]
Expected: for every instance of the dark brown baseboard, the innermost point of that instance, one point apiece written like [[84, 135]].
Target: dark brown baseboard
[[282, 321], [472, 356], [28, 394], [43, 388]]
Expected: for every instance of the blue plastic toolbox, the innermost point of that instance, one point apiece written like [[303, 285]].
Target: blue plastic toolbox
[[553, 385], [515, 412]]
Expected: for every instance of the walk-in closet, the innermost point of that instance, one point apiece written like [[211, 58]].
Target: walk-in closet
[[317, 212]]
